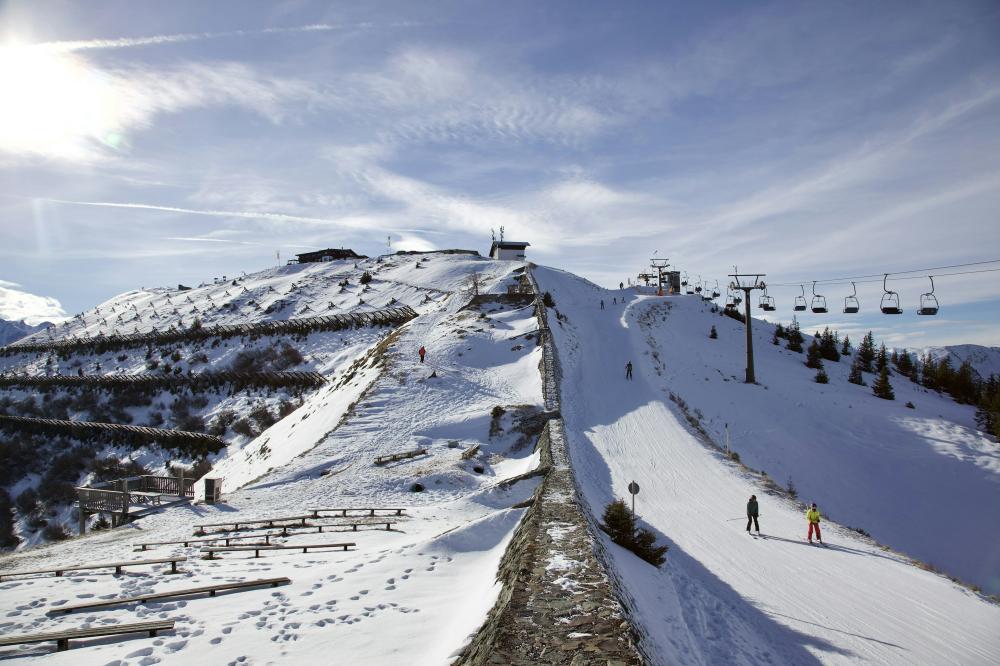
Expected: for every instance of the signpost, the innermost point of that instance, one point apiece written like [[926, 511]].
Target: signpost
[[633, 488]]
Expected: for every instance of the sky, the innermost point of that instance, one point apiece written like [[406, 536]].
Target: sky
[[146, 144]]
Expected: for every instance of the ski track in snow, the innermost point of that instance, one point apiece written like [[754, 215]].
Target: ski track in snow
[[414, 594], [723, 596]]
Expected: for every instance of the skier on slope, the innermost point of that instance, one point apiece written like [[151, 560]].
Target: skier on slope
[[602, 303], [621, 285], [752, 513], [812, 515], [628, 370], [422, 352]]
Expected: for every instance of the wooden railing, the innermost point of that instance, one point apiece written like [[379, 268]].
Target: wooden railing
[[103, 343], [192, 442], [150, 380], [95, 499]]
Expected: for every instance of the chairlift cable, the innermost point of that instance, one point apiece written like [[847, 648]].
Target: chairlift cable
[[845, 280]]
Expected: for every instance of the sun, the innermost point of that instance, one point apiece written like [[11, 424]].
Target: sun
[[54, 103]]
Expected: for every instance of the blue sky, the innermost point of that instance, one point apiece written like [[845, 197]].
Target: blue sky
[[154, 143]]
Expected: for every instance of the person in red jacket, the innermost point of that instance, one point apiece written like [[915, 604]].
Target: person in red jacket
[[422, 353]]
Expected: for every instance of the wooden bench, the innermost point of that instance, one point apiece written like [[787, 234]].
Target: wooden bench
[[62, 638], [405, 455], [343, 512], [143, 598], [200, 529], [285, 529], [118, 566], [211, 552], [227, 539]]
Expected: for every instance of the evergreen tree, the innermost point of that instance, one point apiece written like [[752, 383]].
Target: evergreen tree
[[928, 370], [713, 333], [905, 365], [894, 357], [794, 336], [882, 388], [774, 339], [821, 377], [963, 388], [846, 349], [988, 411], [856, 376], [882, 360], [945, 374], [828, 345], [779, 331], [866, 352], [814, 356]]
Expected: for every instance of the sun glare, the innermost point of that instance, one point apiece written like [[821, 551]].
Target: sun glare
[[54, 104]]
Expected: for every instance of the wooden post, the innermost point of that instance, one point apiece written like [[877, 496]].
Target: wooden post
[[83, 520], [124, 489]]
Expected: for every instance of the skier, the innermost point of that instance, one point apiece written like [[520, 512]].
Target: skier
[[615, 300], [812, 515], [422, 352], [628, 370], [602, 303], [621, 285], [752, 513]]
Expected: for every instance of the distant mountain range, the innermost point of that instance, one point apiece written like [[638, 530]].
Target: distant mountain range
[[984, 360], [10, 331]]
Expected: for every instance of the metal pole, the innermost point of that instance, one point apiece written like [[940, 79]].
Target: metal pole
[[750, 373], [633, 518]]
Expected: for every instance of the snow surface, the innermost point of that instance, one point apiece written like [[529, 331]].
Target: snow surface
[[415, 594], [984, 360], [727, 597]]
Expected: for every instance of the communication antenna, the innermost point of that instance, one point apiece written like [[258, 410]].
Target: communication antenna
[[388, 244]]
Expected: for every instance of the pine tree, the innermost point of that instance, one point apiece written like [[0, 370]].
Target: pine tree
[[828, 345], [856, 376], [988, 411], [945, 374], [882, 360], [774, 339], [963, 388], [821, 377], [846, 349], [928, 369], [882, 388], [866, 352], [794, 336], [713, 333], [814, 356], [779, 331]]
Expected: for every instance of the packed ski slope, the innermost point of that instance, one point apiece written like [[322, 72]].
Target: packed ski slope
[[724, 596], [414, 594]]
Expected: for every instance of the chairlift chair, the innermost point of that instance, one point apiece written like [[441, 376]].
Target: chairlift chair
[[800, 301], [890, 300], [818, 302], [928, 302], [697, 287], [766, 302], [715, 292], [684, 281], [851, 303]]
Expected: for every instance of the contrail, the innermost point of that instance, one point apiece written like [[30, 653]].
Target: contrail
[[128, 42]]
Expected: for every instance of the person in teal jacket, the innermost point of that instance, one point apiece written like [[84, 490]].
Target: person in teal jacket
[[752, 513], [812, 515]]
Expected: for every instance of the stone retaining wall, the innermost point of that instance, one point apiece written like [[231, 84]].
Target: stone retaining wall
[[557, 604]]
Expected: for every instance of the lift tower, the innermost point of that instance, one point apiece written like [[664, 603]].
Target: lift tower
[[747, 282], [660, 267]]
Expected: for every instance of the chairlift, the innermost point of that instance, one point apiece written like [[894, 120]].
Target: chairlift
[[851, 303], [818, 302], [800, 301], [928, 301], [730, 299], [684, 281], [697, 287], [766, 302], [890, 299], [715, 292]]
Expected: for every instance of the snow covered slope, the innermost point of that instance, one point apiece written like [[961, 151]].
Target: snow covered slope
[[724, 596], [414, 594]]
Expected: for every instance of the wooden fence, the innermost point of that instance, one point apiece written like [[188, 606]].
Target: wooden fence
[[105, 343], [190, 442], [201, 380]]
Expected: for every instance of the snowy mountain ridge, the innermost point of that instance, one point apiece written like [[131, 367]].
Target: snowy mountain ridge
[[424, 587], [984, 360], [12, 331]]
